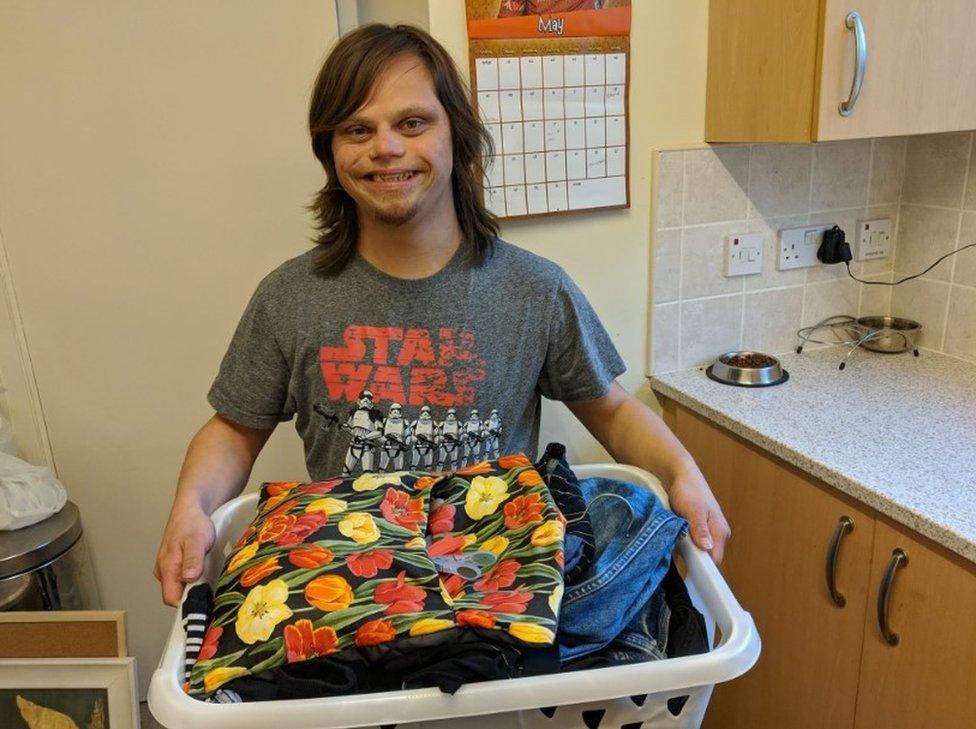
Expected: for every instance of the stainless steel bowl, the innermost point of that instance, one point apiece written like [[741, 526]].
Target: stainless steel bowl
[[890, 334], [731, 370]]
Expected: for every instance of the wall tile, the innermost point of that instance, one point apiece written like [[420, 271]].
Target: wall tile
[[831, 298], [960, 338], [935, 169], [664, 343], [875, 300], [840, 174], [771, 277], [709, 328], [715, 184], [924, 234], [965, 271], [847, 220], [779, 179], [887, 170], [924, 301], [880, 265], [771, 319], [971, 186], [670, 177], [702, 255], [667, 265]]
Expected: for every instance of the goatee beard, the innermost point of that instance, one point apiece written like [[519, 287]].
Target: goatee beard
[[396, 217]]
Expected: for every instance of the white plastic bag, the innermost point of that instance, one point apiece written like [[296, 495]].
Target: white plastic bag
[[28, 494]]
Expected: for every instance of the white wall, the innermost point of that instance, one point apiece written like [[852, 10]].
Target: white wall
[[607, 253], [154, 165]]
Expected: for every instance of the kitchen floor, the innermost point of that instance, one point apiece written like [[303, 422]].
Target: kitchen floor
[[145, 718]]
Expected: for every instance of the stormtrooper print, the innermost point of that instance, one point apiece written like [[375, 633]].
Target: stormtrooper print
[[395, 439], [491, 429], [472, 438]]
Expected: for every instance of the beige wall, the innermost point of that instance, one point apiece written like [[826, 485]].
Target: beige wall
[[154, 165]]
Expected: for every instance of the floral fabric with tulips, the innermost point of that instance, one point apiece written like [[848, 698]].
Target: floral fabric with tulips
[[363, 563]]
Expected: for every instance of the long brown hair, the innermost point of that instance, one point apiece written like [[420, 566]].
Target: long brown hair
[[342, 86]]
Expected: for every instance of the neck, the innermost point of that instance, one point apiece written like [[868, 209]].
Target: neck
[[417, 249]]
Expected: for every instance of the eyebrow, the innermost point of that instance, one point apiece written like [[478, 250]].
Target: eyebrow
[[415, 110]]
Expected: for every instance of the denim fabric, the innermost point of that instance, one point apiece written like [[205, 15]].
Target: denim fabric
[[634, 537], [565, 490], [668, 626]]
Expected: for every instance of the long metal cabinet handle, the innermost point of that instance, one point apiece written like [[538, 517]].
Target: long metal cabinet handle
[[844, 526], [898, 559], [861, 61]]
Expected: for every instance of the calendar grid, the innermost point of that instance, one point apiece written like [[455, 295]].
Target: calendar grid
[[558, 123]]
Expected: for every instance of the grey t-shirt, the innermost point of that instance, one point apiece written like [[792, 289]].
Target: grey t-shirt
[[388, 374]]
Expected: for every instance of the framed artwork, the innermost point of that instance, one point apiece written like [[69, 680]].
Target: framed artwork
[[63, 634], [68, 693]]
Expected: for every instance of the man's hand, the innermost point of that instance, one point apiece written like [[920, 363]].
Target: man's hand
[[188, 537], [691, 498], [633, 434]]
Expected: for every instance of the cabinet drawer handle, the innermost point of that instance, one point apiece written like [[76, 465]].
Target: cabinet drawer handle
[[853, 22], [844, 526], [898, 559]]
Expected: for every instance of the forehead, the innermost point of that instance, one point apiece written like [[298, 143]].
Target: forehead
[[403, 82]]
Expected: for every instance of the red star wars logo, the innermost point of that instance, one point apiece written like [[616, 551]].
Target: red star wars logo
[[408, 366]]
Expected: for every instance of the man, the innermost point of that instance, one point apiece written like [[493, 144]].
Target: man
[[455, 318]]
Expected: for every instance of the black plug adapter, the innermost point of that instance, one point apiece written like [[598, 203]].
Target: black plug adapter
[[834, 247]]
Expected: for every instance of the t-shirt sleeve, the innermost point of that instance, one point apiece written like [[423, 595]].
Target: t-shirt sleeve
[[581, 361], [251, 387]]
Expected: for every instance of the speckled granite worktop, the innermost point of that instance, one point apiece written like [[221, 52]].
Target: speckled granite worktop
[[895, 432]]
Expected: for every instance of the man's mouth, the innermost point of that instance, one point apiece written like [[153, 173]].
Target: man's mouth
[[390, 177]]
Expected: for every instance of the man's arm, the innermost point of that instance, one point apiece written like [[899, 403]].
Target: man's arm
[[633, 434], [217, 465]]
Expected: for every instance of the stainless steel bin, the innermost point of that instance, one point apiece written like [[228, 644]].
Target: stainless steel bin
[[45, 566]]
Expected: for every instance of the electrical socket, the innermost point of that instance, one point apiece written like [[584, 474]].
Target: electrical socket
[[743, 253], [798, 246], [873, 239]]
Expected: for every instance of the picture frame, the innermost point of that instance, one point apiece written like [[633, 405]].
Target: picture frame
[[99, 693], [63, 634]]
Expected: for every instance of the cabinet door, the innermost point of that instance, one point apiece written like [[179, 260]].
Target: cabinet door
[[782, 526], [919, 74], [929, 678]]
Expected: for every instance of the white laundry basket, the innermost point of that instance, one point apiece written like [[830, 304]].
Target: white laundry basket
[[608, 698]]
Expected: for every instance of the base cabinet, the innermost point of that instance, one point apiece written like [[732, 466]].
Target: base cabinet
[[823, 664]]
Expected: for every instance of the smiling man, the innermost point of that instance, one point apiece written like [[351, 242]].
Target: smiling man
[[409, 299]]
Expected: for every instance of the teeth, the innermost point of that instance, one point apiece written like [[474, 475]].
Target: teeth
[[392, 178]]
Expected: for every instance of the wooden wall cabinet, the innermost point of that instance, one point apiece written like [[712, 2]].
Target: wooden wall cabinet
[[778, 70], [822, 665]]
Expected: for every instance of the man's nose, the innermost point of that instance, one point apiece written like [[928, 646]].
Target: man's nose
[[386, 143]]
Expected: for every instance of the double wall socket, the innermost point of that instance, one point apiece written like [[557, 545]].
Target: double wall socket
[[798, 246]]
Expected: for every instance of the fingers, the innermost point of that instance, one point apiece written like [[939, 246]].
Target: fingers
[[177, 567], [167, 571], [193, 553], [720, 532], [698, 527]]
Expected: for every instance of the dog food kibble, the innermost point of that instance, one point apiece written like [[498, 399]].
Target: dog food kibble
[[749, 361]]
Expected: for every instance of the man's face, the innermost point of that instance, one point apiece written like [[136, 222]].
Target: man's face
[[393, 154]]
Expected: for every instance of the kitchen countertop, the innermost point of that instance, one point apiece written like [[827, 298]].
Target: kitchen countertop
[[895, 432]]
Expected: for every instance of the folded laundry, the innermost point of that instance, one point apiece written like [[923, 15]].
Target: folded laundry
[[387, 580], [615, 596]]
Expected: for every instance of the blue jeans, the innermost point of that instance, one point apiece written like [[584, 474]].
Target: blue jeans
[[611, 602]]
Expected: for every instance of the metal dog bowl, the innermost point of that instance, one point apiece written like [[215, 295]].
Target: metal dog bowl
[[747, 369], [889, 334]]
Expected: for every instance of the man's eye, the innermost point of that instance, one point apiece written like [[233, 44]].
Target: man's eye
[[414, 124], [356, 131]]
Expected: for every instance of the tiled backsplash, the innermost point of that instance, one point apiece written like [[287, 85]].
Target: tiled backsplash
[[704, 194]]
